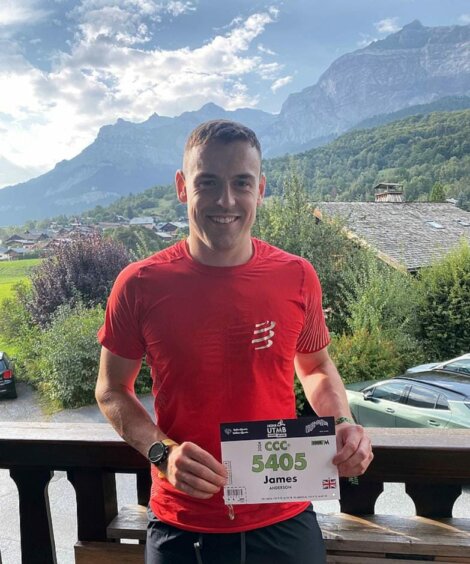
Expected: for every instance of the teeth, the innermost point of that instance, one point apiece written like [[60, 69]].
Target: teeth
[[223, 219]]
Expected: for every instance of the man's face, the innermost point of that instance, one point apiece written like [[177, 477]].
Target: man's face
[[222, 186]]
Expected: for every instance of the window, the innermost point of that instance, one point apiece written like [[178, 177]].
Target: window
[[435, 225], [391, 391], [461, 366], [442, 402], [422, 397]]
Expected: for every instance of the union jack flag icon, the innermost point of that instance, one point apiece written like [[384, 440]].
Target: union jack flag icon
[[329, 484]]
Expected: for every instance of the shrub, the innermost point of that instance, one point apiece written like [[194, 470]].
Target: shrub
[[445, 306], [69, 357], [365, 355], [382, 304], [80, 271]]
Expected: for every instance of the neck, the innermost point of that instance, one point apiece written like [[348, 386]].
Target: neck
[[219, 257]]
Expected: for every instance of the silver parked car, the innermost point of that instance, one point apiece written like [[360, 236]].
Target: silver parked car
[[425, 400], [459, 365]]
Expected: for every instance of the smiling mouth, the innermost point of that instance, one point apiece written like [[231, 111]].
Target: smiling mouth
[[221, 219]]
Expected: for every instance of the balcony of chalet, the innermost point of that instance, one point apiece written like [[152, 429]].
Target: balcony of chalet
[[434, 465]]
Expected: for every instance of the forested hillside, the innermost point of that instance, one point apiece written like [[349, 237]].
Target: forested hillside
[[419, 152]]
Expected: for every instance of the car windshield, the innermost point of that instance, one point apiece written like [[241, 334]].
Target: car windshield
[[3, 366], [461, 366]]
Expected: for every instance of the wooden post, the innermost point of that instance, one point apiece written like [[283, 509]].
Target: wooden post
[[37, 537]]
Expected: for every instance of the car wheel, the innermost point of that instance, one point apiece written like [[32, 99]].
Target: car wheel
[[12, 394]]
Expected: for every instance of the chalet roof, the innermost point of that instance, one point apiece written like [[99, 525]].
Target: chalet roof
[[146, 220], [410, 234]]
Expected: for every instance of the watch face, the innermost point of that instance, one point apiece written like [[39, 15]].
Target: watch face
[[157, 453]]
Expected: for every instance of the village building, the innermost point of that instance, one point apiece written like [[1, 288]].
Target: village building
[[405, 235]]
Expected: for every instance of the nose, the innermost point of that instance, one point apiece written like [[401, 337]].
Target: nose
[[226, 196]]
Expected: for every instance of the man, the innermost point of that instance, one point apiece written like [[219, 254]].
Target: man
[[223, 319]]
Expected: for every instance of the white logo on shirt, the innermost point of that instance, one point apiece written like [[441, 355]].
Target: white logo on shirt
[[265, 329]]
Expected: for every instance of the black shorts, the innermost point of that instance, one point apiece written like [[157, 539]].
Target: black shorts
[[294, 541]]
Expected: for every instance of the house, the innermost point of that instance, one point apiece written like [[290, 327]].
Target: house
[[16, 253], [142, 221], [405, 235], [3, 253]]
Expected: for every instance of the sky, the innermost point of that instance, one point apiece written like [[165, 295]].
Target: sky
[[68, 67]]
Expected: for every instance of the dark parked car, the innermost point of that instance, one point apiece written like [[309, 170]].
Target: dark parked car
[[425, 400], [7, 377], [459, 365]]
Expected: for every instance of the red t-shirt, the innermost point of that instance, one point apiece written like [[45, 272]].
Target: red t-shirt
[[221, 343]]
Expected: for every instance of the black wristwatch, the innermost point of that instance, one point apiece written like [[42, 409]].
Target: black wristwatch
[[159, 451]]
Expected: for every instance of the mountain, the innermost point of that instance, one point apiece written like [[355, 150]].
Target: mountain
[[418, 152], [125, 158], [411, 68], [416, 65], [447, 104]]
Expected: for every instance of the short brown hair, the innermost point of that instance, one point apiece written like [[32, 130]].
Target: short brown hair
[[222, 130]]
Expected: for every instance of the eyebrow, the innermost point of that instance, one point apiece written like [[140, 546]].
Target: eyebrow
[[242, 176]]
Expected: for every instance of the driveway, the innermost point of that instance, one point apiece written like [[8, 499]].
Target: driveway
[[393, 501]]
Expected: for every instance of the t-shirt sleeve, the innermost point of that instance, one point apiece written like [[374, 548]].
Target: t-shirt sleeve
[[314, 335], [121, 332]]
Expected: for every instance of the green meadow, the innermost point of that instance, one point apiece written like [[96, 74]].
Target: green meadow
[[12, 272]]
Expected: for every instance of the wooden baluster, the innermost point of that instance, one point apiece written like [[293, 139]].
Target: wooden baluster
[[359, 498], [144, 482], [37, 536], [96, 501], [434, 500]]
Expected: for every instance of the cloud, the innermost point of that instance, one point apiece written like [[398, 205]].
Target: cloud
[[365, 40], [176, 8], [265, 50], [20, 12], [280, 82], [388, 25], [465, 18], [110, 71]]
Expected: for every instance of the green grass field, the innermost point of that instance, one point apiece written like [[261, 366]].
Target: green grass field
[[12, 272]]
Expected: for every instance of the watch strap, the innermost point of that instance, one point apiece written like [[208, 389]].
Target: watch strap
[[343, 419]]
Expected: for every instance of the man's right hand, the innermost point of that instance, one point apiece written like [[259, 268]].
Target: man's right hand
[[194, 471]]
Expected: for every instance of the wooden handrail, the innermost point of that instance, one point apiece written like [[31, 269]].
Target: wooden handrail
[[434, 465]]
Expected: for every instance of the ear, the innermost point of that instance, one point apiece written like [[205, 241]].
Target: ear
[[261, 189], [180, 183]]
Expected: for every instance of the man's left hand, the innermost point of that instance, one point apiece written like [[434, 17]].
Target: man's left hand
[[354, 450]]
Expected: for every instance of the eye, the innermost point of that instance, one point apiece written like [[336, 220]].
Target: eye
[[243, 183], [205, 183]]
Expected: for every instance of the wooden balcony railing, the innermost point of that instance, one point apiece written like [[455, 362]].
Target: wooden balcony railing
[[433, 464]]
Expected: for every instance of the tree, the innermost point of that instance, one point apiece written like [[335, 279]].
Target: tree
[[445, 308], [80, 271], [291, 223], [139, 241], [438, 193], [381, 337]]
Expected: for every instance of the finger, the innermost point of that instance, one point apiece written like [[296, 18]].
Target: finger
[[348, 470], [349, 441], [353, 453], [198, 455], [187, 488], [194, 485]]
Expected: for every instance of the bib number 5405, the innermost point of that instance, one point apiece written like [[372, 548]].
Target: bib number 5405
[[284, 461]]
